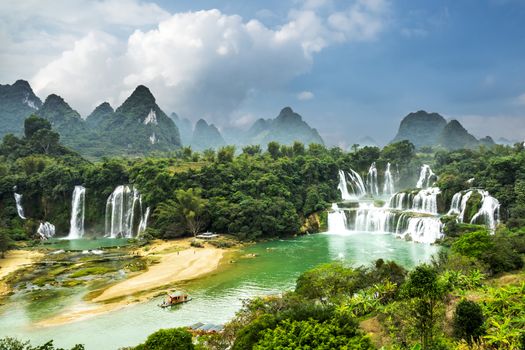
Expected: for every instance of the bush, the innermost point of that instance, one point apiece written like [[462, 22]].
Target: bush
[[168, 339], [468, 320]]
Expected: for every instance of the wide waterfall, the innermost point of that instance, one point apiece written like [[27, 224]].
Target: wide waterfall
[[388, 186], [46, 230], [412, 215], [371, 180], [422, 201], [19, 207], [124, 216], [426, 177], [76, 228]]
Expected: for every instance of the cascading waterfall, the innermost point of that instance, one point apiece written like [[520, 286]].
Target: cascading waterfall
[[121, 210], [343, 187], [426, 177], [423, 229], [487, 214], [371, 180], [357, 184], [76, 228], [425, 201], [336, 220], [46, 230], [19, 207], [388, 186]]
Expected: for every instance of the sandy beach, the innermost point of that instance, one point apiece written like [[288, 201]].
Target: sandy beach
[[177, 262], [14, 260], [173, 267]]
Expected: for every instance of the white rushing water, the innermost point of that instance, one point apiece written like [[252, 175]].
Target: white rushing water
[[425, 201], [143, 225], [76, 226], [343, 187], [123, 207], [336, 220], [488, 211], [426, 177], [19, 207], [371, 180], [46, 230], [388, 186]]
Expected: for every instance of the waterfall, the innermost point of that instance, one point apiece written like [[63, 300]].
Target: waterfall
[[343, 187], [488, 213], [76, 227], [371, 180], [19, 207], [400, 201], [336, 220], [46, 230], [143, 225], [357, 184], [425, 201], [423, 229], [388, 187], [426, 177], [121, 207], [371, 219]]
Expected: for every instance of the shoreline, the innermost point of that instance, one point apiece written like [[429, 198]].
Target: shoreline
[[15, 260], [177, 262]]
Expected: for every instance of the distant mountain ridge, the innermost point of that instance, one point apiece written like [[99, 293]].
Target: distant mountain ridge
[[139, 125], [425, 129], [286, 128]]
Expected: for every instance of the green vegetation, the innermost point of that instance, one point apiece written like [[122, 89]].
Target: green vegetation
[[168, 339], [14, 344]]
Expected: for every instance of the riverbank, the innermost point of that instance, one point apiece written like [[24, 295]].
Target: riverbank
[[172, 262], [13, 261]]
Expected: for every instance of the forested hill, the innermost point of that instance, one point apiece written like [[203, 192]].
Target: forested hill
[[425, 129]]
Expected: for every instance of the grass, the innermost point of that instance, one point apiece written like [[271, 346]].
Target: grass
[[96, 270]]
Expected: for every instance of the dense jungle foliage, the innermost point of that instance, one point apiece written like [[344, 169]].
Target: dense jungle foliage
[[251, 193]]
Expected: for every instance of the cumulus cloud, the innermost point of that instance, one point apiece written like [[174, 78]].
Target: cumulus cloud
[[201, 63], [305, 95]]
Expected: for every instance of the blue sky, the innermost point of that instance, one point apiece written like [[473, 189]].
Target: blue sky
[[354, 68]]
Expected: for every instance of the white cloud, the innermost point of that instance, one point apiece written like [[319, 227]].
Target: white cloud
[[200, 64], [305, 95]]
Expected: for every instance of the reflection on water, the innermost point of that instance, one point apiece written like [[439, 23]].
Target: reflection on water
[[216, 297]]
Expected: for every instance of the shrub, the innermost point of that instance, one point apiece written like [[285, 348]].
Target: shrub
[[168, 339], [468, 320]]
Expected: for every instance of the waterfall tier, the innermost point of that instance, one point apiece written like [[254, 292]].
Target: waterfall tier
[[487, 209], [371, 181], [388, 186], [76, 228], [124, 213], [426, 177], [422, 201]]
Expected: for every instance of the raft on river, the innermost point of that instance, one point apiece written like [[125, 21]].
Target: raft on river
[[175, 298]]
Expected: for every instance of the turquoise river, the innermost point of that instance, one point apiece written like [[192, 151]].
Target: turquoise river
[[216, 297]]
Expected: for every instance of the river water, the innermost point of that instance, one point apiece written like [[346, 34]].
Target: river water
[[216, 297]]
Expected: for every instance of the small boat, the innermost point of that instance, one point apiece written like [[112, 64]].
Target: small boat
[[175, 298]]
